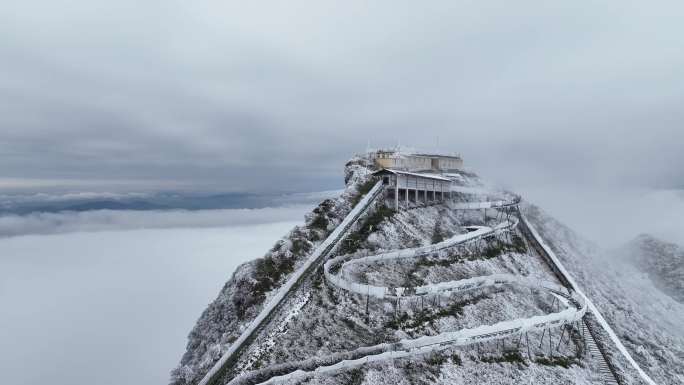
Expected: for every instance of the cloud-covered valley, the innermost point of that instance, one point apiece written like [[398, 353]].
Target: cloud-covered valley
[[102, 220]]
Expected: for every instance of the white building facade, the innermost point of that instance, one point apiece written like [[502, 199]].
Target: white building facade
[[398, 160]]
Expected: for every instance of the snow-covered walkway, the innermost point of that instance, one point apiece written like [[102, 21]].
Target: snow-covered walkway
[[602, 321], [574, 302], [344, 283], [316, 256], [575, 306]]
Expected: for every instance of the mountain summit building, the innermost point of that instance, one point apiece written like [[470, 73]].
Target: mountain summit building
[[398, 160], [415, 177]]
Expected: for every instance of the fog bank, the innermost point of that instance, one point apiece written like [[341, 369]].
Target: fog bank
[[103, 220], [113, 307], [611, 217]]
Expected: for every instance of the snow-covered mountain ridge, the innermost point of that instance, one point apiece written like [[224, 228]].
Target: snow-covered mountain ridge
[[323, 323], [647, 321], [254, 282], [662, 261]]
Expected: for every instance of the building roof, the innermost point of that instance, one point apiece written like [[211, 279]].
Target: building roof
[[420, 175], [404, 152], [440, 156]]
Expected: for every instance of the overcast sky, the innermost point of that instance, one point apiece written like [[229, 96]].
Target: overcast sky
[[240, 95], [128, 96]]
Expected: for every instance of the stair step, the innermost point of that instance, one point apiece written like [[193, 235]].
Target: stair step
[[604, 369]]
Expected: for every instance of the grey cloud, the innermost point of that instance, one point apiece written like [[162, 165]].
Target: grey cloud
[[257, 96]]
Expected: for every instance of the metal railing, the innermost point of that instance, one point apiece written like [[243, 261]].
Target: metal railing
[[265, 316], [534, 242]]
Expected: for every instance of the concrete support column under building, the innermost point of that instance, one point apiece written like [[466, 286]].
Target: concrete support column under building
[[396, 192]]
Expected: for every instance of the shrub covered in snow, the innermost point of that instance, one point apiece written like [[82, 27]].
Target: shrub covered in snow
[[242, 297]]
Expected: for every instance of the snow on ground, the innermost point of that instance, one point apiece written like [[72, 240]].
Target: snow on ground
[[335, 321], [254, 283], [471, 372], [275, 335], [454, 267], [647, 321], [331, 320], [463, 367]]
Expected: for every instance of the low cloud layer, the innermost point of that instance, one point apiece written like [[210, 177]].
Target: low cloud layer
[[106, 220], [114, 307], [236, 96]]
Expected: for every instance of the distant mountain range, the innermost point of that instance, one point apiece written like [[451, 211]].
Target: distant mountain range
[[26, 204]]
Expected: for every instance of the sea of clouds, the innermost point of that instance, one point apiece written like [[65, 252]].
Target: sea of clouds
[[103, 220], [108, 297]]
